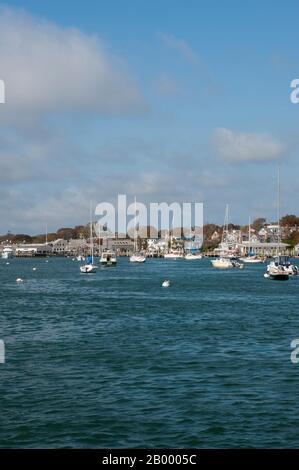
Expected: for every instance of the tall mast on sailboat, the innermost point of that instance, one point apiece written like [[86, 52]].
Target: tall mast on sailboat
[[278, 210], [135, 239], [91, 238]]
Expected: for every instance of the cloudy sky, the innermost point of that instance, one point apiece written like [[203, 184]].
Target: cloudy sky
[[166, 100]]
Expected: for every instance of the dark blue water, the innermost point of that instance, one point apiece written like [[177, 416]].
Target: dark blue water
[[115, 360]]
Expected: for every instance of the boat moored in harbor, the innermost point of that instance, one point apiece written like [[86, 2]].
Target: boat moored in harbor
[[108, 258], [7, 252]]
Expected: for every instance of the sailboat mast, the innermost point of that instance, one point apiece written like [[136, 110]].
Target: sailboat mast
[[135, 234], [278, 209], [249, 235], [91, 238]]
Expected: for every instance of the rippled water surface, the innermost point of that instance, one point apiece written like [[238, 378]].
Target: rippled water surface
[[115, 360]]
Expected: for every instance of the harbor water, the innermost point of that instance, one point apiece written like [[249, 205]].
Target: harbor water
[[113, 359]]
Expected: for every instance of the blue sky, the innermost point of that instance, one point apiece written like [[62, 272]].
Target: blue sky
[[168, 100]]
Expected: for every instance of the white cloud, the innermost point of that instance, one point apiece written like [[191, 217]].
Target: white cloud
[[247, 147], [49, 68], [181, 46]]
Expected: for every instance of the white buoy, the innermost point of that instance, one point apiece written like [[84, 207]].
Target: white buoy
[[33, 269], [166, 283], [19, 279], [46, 261], [7, 263]]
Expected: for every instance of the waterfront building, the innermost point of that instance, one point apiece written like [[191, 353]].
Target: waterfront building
[[34, 249]]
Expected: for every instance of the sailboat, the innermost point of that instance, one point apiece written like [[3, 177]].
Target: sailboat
[[223, 262], [250, 259], [173, 253], [89, 267], [278, 269], [137, 257]]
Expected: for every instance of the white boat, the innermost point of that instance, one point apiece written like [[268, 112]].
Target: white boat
[[137, 256], [7, 252], [193, 256], [280, 268], [251, 260], [108, 258], [222, 263], [89, 267], [276, 270], [174, 254]]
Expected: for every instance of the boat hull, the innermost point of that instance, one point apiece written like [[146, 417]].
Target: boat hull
[[88, 269], [222, 264], [137, 259], [279, 277]]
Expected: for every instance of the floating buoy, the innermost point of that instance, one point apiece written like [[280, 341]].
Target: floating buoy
[[33, 269], [7, 263], [166, 283], [19, 279], [46, 261]]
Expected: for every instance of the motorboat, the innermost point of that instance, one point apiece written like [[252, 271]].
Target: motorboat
[[281, 269], [7, 252], [108, 258], [193, 256], [174, 254], [222, 263], [251, 260]]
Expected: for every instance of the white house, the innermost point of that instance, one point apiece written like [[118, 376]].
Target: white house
[[59, 246]]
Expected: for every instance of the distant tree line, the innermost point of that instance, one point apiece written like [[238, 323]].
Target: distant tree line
[[288, 221]]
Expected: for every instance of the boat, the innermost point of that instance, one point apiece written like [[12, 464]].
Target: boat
[[108, 258], [193, 256], [222, 263], [89, 267], [279, 268], [250, 258], [7, 252], [224, 260], [174, 254], [137, 256]]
